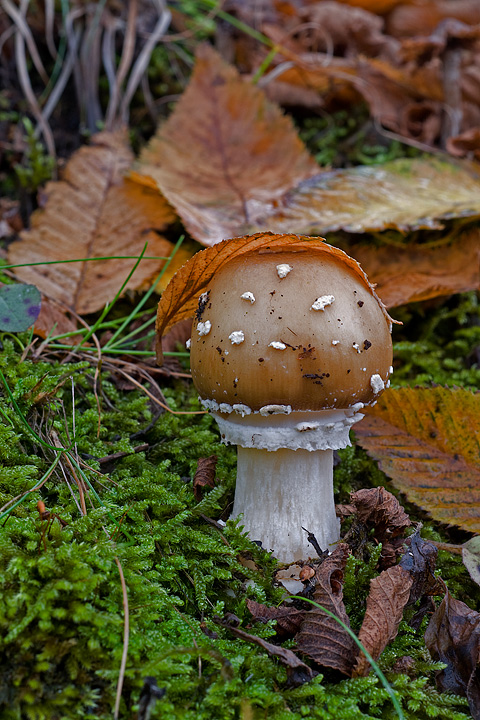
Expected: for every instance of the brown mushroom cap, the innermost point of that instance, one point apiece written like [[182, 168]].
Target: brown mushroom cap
[[286, 327]]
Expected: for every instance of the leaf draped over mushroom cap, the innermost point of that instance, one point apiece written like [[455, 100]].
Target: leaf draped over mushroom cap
[[180, 298], [93, 212], [427, 440]]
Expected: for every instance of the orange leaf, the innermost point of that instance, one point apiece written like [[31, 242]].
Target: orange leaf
[[427, 440], [180, 299], [417, 272], [93, 212], [224, 153]]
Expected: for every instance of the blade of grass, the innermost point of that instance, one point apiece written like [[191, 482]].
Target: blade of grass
[[89, 259]]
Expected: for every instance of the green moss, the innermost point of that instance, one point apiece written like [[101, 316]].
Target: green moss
[[61, 600]]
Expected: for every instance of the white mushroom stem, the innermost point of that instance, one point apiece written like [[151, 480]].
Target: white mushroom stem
[[285, 475], [280, 492]]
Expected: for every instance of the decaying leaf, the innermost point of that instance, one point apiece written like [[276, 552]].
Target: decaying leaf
[[54, 318], [453, 637], [288, 618], [204, 475], [378, 508], [416, 272], [180, 298], [93, 212], [420, 561], [471, 558], [427, 440], [389, 593], [321, 638], [224, 154]]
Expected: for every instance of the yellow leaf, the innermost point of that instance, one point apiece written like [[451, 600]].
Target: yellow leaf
[[427, 440]]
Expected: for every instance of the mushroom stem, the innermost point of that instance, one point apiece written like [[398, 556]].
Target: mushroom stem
[[279, 492]]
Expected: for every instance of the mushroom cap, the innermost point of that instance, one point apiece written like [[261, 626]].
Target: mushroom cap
[[286, 327]]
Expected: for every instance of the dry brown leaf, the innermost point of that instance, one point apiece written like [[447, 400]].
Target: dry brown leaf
[[416, 272], [94, 212], [180, 299], [427, 440], [420, 561], [453, 637], [297, 671], [389, 593], [243, 169], [224, 153], [465, 145], [321, 637]]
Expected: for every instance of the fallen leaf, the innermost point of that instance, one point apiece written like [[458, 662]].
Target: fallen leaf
[[416, 272], [244, 169], [378, 508], [420, 561], [405, 194], [224, 152], [427, 440], [389, 593], [471, 557], [19, 307], [93, 212], [466, 144], [453, 637], [321, 638], [181, 297], [287, 618], [204, 475]]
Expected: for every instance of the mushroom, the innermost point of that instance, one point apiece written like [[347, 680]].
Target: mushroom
[[298, 343]]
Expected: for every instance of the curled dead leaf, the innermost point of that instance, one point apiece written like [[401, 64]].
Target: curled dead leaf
[[287, 618], [453, 637]]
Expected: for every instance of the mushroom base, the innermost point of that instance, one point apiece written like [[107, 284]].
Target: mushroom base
[[280, 492]]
